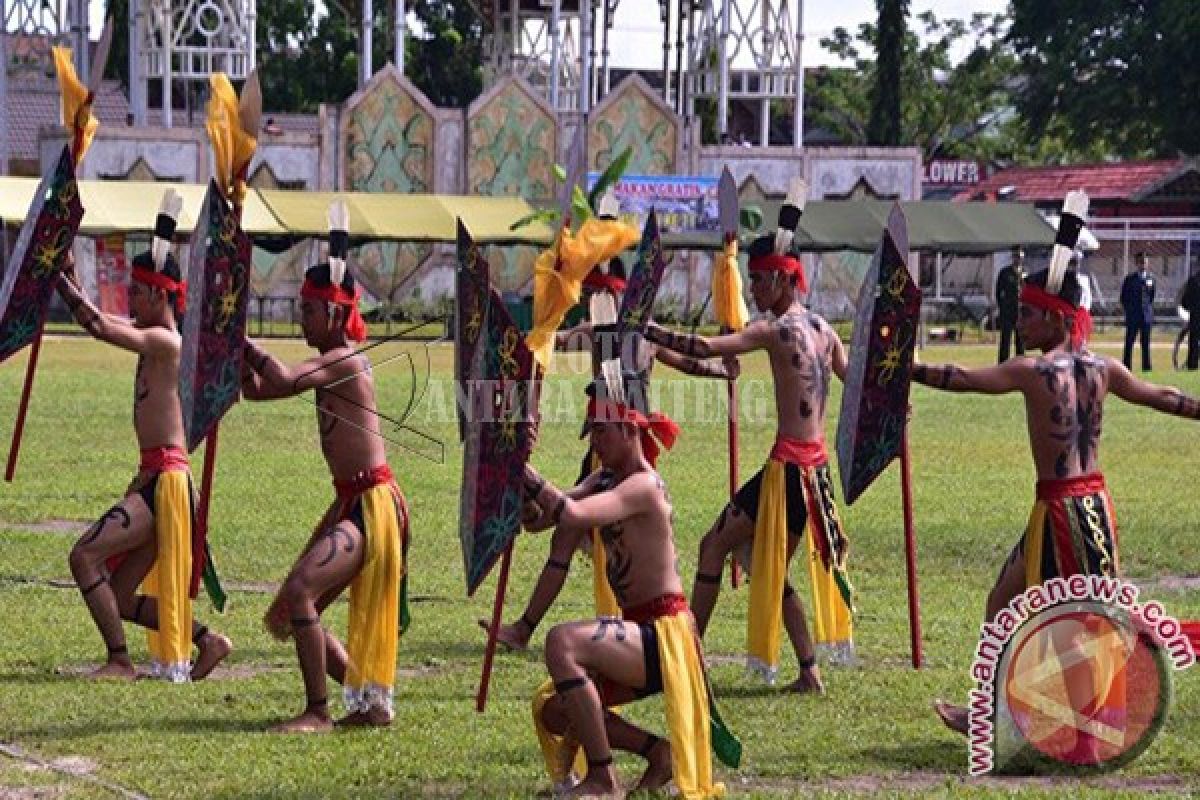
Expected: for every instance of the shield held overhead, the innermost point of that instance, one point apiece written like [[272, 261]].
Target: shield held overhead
[[875, 403]]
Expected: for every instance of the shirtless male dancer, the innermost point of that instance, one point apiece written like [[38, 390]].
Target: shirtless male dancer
[[600, 663], [601, 341], [154, 522], [362, 539], [1072, 529], [804, 352]]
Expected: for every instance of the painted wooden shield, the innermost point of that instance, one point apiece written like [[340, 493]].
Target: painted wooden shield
[[214, 325], [497, 396], [875, 402], [47, 234]]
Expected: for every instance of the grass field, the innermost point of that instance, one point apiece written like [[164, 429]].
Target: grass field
[[873, 732]]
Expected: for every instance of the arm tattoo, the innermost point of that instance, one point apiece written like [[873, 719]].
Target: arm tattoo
[[937, 377], [683, 343], [534, 488], [1186, 406], [703, 369], [558, 508]]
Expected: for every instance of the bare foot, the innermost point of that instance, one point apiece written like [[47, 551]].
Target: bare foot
[[308, 722], [952, 716], [658, 768], [809, 682], [598, 783], [374, 718], [118, 670], [513, 637], [212, 651]]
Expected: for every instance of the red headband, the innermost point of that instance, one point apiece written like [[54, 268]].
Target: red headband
[[356, 329], [149, 277], [656, 426], [1081, 318], [788, 265], [610, 283]]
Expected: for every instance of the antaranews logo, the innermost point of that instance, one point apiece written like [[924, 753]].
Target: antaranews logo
[[1073, 674]]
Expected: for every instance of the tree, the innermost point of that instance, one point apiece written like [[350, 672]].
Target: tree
[[305, 59], [1118, 75], [447, 61], [946, 109], [885, 127]]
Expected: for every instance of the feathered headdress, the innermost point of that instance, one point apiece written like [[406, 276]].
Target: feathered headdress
[[775, 254]]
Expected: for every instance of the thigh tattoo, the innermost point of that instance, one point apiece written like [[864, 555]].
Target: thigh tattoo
[[334, 537], [116, 512]]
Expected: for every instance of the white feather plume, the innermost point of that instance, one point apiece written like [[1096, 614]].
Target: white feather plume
[[1076, 205], [160, 246], [785, 232], [339, 220]]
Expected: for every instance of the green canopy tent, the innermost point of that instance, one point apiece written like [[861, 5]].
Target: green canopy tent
[[958, 228]]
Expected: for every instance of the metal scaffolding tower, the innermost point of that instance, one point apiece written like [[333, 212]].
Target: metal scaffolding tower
[[749, 50], [186, 41]]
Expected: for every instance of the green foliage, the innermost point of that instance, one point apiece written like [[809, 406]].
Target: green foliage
[[884, 126], [947, 109], [609, 177], [1121, 74], [750, 218]]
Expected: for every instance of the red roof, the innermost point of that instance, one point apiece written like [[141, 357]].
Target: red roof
[[1123, 181]]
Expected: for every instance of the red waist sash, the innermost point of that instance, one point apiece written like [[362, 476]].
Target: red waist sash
[[163, 459], [799, 452], [1080, 486], [367, 479], [662, 606]]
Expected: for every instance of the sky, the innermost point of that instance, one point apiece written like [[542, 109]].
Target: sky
[[636, 38]]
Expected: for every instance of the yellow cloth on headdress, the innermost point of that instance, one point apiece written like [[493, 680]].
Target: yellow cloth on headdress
[[169, 578], [76, 105], [232, 147], [769, 562], [375, 606], [728, 302], [558, 275]]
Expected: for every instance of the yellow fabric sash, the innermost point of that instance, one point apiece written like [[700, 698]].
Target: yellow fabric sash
[[558, 275], [169, 578], [375, 606], [831, 612], [728, 303], [686, 697], [606, 601], [769, 562], [77, 114], [1106, 665], [561, 754]]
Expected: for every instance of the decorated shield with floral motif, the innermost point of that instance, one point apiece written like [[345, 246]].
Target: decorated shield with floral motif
[[498, 399], [875, 402], [214, 326], [49, 229]]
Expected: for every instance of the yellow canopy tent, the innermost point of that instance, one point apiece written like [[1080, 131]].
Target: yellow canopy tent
[[131, 207]]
